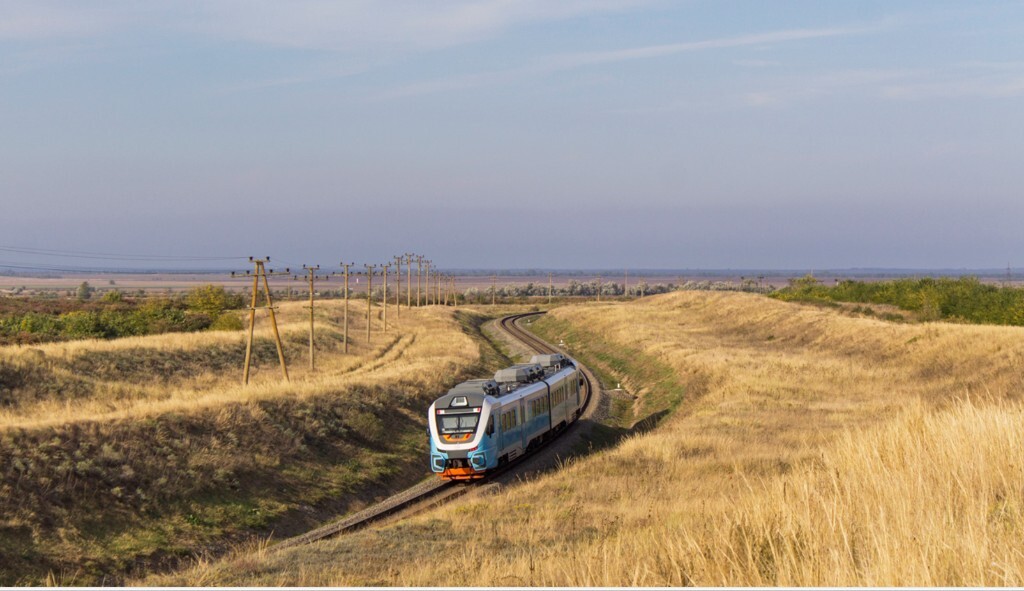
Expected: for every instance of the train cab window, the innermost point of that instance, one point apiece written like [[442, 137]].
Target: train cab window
[[490, 425], [458, 424]]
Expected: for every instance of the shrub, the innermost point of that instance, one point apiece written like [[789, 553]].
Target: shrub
[[212, 300], [227, 321]]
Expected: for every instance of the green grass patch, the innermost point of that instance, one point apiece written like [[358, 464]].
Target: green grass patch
[[660, 390]]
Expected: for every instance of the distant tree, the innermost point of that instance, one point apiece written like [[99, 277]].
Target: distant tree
[[85, 291], [113, 296]]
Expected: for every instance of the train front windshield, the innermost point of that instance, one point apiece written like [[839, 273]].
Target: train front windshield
[[457, 424]]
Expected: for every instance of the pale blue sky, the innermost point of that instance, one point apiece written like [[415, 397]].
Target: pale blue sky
[[605, 133]]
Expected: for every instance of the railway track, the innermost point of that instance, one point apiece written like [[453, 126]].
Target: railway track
[[434, 492]]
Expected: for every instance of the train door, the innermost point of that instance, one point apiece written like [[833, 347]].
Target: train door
[[574, 384], [523, 431]]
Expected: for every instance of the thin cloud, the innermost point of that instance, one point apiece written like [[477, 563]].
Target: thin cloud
[[996, 87], [32, 21], [656, 51], [362, 25], [571, 61], [986, 80]]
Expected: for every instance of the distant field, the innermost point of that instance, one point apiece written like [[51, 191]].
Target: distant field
[[127, 455], [766, 443], [160, 282]]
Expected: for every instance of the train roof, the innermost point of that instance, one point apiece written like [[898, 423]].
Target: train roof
[[507, 381], [551, 360], [541, 367], [521, 373], [468, 394]]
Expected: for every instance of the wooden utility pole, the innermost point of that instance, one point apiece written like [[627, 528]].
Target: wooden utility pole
[[426, 283], [419, 275], [599, 288], [625, 285], [549, 288], [369, 296], [385, 269], [455, 292], [311, 277], [437, 298], [408, 266], [398, 289], [494, 287], [260, 271], [345, 328]]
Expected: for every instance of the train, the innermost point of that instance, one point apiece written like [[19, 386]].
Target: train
[[482, 424]]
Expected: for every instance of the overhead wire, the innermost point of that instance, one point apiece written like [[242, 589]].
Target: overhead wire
[[70, 269], [113, 256]]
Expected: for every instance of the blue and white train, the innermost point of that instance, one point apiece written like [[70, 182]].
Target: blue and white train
[[481, 424]]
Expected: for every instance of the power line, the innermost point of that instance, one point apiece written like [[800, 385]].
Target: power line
[[94, 270], [113, 256]]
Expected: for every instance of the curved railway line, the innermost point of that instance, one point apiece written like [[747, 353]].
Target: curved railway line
[[434, 492]]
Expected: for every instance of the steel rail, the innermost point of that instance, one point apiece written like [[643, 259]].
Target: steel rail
[[434, 492]]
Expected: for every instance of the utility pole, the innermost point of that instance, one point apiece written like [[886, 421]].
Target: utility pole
[[599, 288], [398, 290], [419, 275], [311, 277], [260, 271], [369, 295], [426, 283], [494, 287], [625, 285], [549, 288], [345, 327], [408, 266], [437, 300], [385, 269]]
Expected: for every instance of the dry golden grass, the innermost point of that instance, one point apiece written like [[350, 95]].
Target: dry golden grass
[[113, 459], [814, 449], [423, 342]]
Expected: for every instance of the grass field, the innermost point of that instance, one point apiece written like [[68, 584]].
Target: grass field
[[122, 457], [806, 447]]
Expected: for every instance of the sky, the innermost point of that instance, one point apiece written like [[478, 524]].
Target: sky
[[514, 133]]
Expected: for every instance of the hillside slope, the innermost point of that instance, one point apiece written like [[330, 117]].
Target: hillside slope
[[808, 448], [125, 456]]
